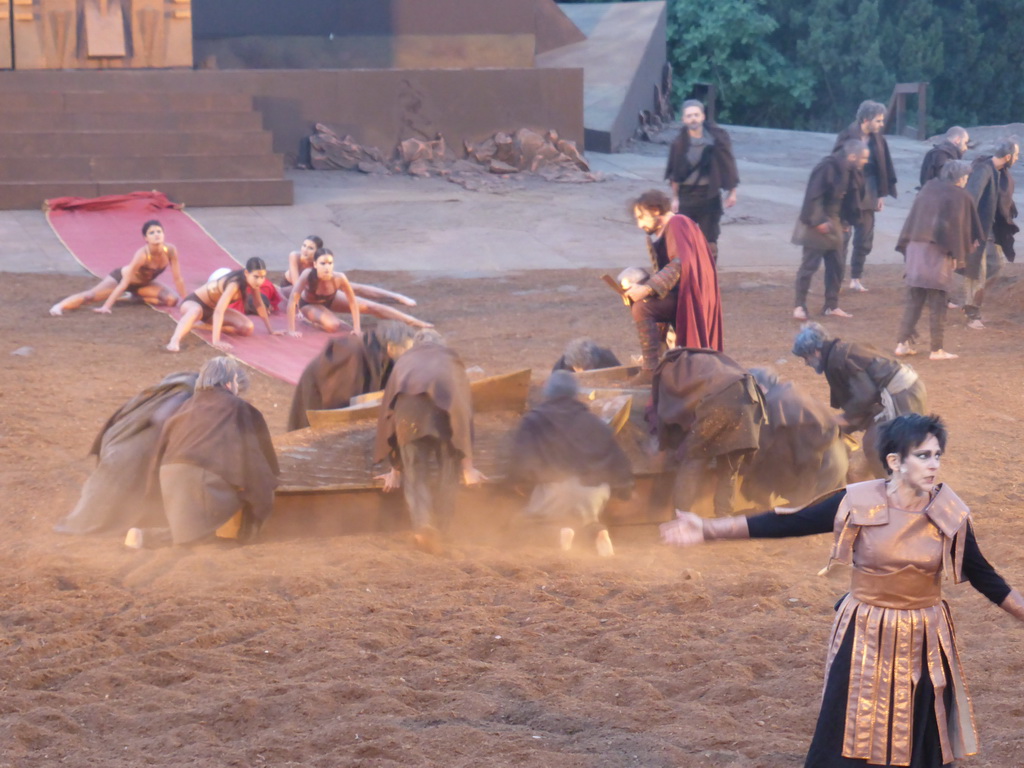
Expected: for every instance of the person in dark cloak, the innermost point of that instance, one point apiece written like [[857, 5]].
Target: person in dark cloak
[[800, 453], [585, 355], [952, 147], [895, 693], [939, 234], [348, 366], [683, 286], [216, 465], [878, 182], [425, 430], [567, 459], [708, 412], [869, 386], [118, 495], [829, 210], [991, 185], [701, 168]]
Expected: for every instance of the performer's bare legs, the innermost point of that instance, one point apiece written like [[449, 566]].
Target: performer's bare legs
[[234, 322], [153, 294], [381, 294]]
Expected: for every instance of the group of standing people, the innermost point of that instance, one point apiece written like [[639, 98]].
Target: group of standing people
[[962, 221]]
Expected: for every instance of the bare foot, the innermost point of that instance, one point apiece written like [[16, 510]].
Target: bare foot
[[57, 310], [173, 347], [406, 301]]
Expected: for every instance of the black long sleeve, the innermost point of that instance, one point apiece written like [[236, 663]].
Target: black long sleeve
[[980, 573], [817, 518], [820, 518]]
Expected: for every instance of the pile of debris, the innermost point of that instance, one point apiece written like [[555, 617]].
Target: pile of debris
[[503, 155]]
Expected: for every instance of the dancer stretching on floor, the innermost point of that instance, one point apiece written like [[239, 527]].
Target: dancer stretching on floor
[[211, 304], [304, 258], [137, 278]]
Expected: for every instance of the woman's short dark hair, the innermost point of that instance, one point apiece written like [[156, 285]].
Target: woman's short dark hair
[[315, 240], [254, 264], [907, 431], [150, 223]]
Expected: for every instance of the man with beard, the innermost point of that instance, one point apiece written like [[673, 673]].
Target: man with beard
[[349, 365], [700, 168], [952, 147], [709, 414], [800, 453], [683, 286], [829, 210], [879, 182], [991, 185], [216, 464], [568, 460], [425, 430], [941, 230], [869, 386]]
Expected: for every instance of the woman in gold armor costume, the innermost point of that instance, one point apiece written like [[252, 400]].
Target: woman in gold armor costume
[[894, 688]]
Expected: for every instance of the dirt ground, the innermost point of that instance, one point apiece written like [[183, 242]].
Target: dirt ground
[[361, 651]]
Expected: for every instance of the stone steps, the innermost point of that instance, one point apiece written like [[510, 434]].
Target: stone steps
[[198, 148]]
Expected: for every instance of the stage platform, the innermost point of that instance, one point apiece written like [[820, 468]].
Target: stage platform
[[622, 60]]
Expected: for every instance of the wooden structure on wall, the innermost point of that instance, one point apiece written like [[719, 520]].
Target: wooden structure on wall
[[100, 34], [6, 50]]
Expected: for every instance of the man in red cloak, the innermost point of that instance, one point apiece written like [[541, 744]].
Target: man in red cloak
[[683, 287]]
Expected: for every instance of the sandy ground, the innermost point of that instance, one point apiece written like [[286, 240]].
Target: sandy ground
[[360, 651]]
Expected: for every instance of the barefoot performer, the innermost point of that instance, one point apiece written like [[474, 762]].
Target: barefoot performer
[[304, 258], [299, 261], [211, 304], [894, 686], [138, 277], [318, 291]]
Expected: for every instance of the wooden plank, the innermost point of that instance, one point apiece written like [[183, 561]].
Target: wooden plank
[[501, 393], [6, 49], [495, 393], [104, 29], [603, 377]]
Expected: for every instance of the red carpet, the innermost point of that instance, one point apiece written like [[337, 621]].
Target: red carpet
[[102, 234]]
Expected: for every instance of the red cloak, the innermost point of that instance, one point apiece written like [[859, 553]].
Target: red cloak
[[699, 313]]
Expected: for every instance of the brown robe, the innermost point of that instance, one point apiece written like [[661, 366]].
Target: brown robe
[[717, 162], [561, 438], [706, 404], [118, 495], [800, 453], [880, 157], [938, 156], [347, 366], [690, 267], [856, 374], [827, 199], [943, 214], [222, 433], [438, 373]]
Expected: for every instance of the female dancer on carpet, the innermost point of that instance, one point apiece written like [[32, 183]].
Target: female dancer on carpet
[[301, 260], [211, 304], [320, 292], [137, 277], [894, 687]]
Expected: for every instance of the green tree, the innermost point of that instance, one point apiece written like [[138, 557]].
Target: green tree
[[728, 43]]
